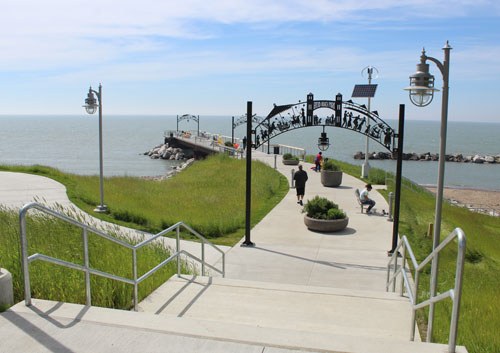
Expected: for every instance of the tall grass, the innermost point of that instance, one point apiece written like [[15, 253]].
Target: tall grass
[[52, 237], [209, 196], [480, 307]]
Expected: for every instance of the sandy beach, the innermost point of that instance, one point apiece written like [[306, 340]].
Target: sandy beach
[[471, 196]]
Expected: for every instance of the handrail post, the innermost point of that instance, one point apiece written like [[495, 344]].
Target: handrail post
[[86, 264], [403, 266], [178, 248], [203, 257], [388, 275], [134, 262], [24, 257], [413, 310], [395, 269], [457, 293]]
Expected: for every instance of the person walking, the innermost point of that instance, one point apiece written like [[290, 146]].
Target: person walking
[[365, 200], [244, 142], [300, 178]]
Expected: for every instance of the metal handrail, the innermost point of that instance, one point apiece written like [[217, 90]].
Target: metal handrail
[[26, 260], [455, 293]]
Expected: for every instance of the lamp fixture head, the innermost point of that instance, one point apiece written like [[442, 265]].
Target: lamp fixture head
[[90, 102], [323, 142], [421, 89]]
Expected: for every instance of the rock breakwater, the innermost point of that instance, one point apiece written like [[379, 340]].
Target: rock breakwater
[[164, 151], [458, 157]]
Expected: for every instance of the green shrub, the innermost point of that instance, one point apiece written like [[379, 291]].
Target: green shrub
[[290, 157], [334, 213], [322, 208], [330, 165], [228, 144]]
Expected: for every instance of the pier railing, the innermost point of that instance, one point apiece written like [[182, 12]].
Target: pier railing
[[218, 141]]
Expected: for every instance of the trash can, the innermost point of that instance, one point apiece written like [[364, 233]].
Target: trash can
[[276, 149]]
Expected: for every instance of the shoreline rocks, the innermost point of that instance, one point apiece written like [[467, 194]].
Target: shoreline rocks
[[457, 157], [164, 151]]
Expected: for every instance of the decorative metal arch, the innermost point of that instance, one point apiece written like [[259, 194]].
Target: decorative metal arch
[[346, 115], [243, 120], [189, 117]]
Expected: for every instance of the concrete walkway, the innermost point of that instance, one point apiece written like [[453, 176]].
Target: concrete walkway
[[287, 252]]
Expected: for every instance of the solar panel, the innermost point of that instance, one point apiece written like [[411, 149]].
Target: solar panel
[[364, 91]]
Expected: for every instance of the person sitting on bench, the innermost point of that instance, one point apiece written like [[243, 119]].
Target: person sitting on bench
[[365, 200]]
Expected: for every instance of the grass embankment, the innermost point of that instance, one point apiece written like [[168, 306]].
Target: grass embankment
[[55, 238], [209, 196], [480, 307], [479, 323]]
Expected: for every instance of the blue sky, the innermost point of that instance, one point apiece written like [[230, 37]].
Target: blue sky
[[211, 57]]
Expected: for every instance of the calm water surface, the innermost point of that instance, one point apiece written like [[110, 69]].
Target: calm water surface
[[70, 143]]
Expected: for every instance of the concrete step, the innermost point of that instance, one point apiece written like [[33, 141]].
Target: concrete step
[[274, 305], [49, 326]]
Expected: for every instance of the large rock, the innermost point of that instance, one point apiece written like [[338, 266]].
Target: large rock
[[359, 155], [478, 159], [489, 159]]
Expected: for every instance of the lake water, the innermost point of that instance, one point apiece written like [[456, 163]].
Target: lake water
[[71, 144]]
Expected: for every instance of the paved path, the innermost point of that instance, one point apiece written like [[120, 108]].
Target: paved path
[[287, 252]]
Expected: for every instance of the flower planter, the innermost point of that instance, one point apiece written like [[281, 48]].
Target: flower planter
[[290, 162], [331, 178], [326, 225]]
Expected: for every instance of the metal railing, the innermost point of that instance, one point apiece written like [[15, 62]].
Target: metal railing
[[26, 260], [210, 141], [294, 151], [454, 293]]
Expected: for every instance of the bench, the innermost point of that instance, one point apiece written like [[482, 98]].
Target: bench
[[358, 197]]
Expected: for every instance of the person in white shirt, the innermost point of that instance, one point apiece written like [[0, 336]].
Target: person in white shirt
[[365, 200]]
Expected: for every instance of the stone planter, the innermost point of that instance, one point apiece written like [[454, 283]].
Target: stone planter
[[290, 162], [331, 178], [326, 225]]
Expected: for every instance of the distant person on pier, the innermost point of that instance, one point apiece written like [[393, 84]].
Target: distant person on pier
[[300, 178], [365, 200], [244, 142]]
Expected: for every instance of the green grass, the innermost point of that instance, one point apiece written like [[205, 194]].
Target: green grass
[[209, 196], [52, 237], [480, 307]]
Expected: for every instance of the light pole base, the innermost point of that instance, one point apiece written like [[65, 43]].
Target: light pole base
[[365, 168], [247, 245], [101, 209]]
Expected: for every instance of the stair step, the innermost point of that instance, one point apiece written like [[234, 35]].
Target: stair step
[[63, 316], [295, 307]]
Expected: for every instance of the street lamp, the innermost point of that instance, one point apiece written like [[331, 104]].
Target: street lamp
[[91, 106], [421, 92], [323, 141]]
